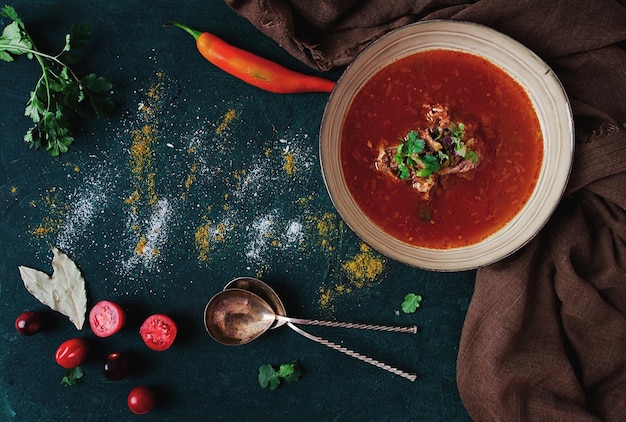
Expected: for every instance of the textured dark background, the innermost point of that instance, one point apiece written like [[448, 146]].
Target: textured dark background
[[263, 218]]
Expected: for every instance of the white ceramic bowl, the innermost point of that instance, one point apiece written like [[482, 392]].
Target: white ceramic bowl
[[546, 94]]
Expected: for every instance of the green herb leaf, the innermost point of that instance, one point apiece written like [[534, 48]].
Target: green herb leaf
[[12, 42], [411, 303], [96, 83], [431, 165], [59, 95], [72, 376], [9, 12], [75, 40], [412, 156], [270, 378], [471, 155], [290, 372]]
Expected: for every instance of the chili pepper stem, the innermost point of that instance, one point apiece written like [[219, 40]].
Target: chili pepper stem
[[193, 32]]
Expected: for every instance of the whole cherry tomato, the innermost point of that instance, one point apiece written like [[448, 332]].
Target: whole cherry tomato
[[141, 400], [106, 318], [71, 353], [158, 332], [29, 323]]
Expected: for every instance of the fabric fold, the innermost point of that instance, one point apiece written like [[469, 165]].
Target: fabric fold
[[545, 334]]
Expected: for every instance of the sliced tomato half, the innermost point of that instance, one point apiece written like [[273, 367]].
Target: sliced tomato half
[[158, 332], [106, 318]]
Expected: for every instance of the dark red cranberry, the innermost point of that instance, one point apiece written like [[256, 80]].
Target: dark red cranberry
[[29, 323], [116, 366]]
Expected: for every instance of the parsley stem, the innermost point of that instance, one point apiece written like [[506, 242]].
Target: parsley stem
[[44, 76], [40, 55]]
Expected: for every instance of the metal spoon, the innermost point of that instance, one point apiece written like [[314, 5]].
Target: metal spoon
[[268, 294], [264, 291], [236, 316]]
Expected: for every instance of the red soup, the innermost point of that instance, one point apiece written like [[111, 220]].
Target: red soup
[[462, 210]]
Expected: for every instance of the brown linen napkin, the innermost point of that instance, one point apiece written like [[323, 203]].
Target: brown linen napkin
[[545, 334]]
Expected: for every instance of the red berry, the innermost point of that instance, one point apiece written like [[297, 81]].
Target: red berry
[[141, 400], [29, 323], [116, 366]]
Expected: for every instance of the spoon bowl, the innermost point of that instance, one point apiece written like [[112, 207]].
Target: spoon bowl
[[236, 316], [264, 291]]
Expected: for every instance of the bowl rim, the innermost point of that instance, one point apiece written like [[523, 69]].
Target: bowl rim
[[552, 179]]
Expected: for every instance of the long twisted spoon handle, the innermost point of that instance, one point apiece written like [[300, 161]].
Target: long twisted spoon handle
[[353, 354], [412, 329]]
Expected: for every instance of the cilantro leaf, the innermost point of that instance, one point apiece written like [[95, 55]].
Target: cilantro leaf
[[268, 377], [431, 165], [415, 145], [407, 153], [413, 157], [72, 376], [411, 303], [271, 378], [290, 372]]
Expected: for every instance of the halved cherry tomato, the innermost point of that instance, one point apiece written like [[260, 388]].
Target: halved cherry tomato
[[106, 318], [29, 323], [158, 332], [71, 353], [141, 400]]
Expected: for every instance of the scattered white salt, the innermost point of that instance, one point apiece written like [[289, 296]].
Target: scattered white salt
[[294, 232], [86, 201]]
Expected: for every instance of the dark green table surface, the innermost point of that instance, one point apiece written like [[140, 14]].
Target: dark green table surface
[[229, 184]]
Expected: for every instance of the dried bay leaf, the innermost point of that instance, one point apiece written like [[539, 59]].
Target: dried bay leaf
[[64, 291]]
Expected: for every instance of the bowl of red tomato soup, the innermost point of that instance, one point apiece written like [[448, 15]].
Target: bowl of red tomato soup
[[446, 145]]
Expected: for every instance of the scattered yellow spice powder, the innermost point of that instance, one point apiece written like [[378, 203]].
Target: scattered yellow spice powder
[[140, 248], [289, 164], [133, 198], [151, 186], [203, 241], [326, 297], [141, 149], [364, 267], [140, 161], [326, 229], [192, 175], [48, 225], [226, 119]]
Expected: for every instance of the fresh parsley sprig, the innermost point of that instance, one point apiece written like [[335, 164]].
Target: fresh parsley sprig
[[60, 96]]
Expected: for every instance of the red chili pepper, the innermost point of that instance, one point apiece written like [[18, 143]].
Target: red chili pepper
[[253, 69]]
